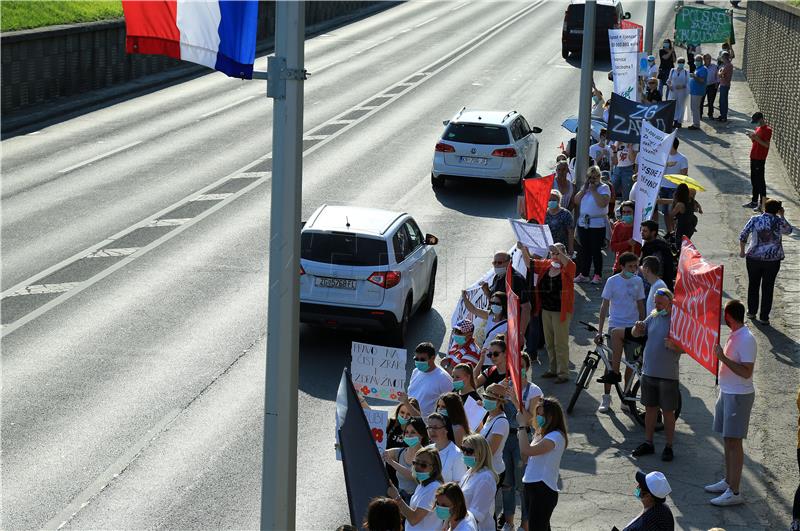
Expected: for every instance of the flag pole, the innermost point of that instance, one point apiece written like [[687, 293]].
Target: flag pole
[[279, 453]]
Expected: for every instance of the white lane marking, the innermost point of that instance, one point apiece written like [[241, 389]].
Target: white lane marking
[[403, 31], [113, 253], [425, 22], [567, 67], [367, 107], [459, 6], [212, 197], [44, 289], [315, 137], [100, 157], [252, 175], [340, 122], [115, 469], [226, 107], [175, 222]]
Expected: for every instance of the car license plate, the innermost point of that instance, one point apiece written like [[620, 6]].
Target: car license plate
[[474, 160], [338, 283]]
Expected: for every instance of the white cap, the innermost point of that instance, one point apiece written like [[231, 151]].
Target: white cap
[[655, 482]]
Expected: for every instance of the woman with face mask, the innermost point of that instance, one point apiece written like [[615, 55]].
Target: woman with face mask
[[597, 103], [682, 211], [451, 509], [678, 83], [495, 373], [622, 235], [593, 201], [449, 405], [415, 437], [560, 221], [440, 431], [667, 59], [479, 484], [495, 427], [395, 428], [496, 315], [464, 382], [419, 512]]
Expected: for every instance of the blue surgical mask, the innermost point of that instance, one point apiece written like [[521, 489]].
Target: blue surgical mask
[[680, 66], [540, 421], [442, 513], [420, 476], [552, 204], [411, 442], [469, 461], [627, 274], [595, 98], [421, 366], [402, 421], [459, 340], [489, 404], [637, 492], [524, 374], [627, 218], [442, 412], [458, 385], [497, 309]]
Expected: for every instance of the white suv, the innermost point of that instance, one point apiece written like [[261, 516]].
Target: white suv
[[365, 269], [496, 145]]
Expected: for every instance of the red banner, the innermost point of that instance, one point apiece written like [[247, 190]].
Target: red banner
[[697, 307], [537, 193], [627, 24], [514, 336]]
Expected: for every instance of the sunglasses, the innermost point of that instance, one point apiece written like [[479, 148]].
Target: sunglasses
[[467, 451], [435, 427], [493, 354], [495, 302], [420, 464], [498, 262]]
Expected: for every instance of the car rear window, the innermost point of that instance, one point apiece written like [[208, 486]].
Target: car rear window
[[604, 16], [476, 134], [343, 249]]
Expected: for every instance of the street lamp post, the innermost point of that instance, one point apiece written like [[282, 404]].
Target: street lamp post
[[648, 30], [585, 103]]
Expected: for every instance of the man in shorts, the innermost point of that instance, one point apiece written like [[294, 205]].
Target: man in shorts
[[735, 402], [660, 373]]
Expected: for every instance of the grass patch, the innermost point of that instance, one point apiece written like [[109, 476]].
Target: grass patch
[[27, 14]]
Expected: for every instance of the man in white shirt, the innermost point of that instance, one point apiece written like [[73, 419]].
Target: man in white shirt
[[601, 152], [735, 402], [428, 381], [677, 163], [623, 303], [712, 84]]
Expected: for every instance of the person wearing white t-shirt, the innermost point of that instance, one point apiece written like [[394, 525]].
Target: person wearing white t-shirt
[[601, 152], [543, 457], [428, 381], [479, 484], [677, 164], [451, 509], [735, 402], [592, 201], [623, 303], [495, 427], [419, 512], [442, 438]]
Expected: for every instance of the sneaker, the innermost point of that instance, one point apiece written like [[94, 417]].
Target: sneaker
[[667, 454], [764, 321], [751, 204], [580, 279], [721, 119], [596, 279], [727, 498], [610, 377], [646, 448], [605, 404], [717, 488], [757, 210], [549, 374], [693, 127], [751, 316]]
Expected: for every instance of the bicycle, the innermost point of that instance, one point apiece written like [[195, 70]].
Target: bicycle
[[629, 394]]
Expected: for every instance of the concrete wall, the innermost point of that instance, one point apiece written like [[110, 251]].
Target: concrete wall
[[42, 65], [772, 69]]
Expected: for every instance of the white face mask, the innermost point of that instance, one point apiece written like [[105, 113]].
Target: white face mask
[[499, 270], [556, 265]]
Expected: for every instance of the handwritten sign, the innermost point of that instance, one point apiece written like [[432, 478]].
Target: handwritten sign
[[378, 372], [696, 309], [654, 149], [537, 238], [625, 118], [624, 46], [378, 419], [696, 25]]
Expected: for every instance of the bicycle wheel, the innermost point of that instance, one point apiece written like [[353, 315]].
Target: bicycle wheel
[[587, 369]]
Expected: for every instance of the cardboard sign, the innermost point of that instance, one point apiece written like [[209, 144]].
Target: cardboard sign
[[625, 118], [378, 372], [696, 25], [475, 413], [697, 307], [514, 338], [537, 238], [654, 149], [624, 47]]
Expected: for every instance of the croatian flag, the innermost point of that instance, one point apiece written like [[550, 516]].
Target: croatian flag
[[220, 34]]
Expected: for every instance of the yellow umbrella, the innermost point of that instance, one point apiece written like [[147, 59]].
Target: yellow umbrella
[[677, 178]]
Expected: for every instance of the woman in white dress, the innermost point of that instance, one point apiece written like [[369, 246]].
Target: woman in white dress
[[479, 484], [678, 83]]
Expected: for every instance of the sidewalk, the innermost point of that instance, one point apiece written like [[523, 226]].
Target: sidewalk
[[597, 469]]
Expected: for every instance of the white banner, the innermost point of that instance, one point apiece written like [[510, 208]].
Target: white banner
[[652, 158], [536, 238], [624, 46], [475, 413], [378, 372]]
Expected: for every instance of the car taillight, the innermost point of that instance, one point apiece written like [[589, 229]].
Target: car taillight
[[385, 279], [504, 152], [302, 271], [445, 148]]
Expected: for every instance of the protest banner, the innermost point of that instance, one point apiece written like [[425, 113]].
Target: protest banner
[[365, 474], [537, 238], [377, 420], [378, 372], [537, 193], [624, 47], [625, 118], [697, 306], [696, 25], [475, 413], [654, 146], [627, 24], [514, 339]]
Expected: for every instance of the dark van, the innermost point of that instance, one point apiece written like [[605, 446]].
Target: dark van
[[608, 15]]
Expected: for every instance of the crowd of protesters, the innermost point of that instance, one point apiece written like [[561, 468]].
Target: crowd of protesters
[[450, 475]]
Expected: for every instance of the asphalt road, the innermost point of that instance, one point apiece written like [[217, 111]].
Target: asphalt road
[[135, 400]]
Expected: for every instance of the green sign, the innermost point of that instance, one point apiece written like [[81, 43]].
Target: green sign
[[696, 25]]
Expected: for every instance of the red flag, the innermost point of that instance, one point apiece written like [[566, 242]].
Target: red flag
[[514, 336], [537, 192], [697, 307], [627, 24]]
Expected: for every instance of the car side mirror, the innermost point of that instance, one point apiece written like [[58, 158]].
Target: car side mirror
[[445, 122], [537, 130], [627, 15], [430, 239]]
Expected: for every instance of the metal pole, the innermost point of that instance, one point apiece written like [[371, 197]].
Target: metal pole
[[585, 102], [279, 454], [648, 28]]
